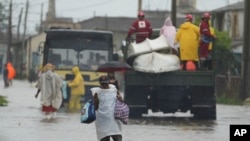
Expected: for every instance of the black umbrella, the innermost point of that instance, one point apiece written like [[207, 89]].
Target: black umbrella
[[113, 66]]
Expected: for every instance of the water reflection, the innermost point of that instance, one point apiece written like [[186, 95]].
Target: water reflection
[[185, 123]]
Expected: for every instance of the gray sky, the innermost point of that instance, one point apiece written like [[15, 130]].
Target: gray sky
[[85, 9]]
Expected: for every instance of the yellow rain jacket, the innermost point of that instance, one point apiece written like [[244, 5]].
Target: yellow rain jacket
[[210, 47], [77, 84], [188, 38]]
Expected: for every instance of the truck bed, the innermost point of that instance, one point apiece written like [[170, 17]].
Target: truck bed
[[176, 78]]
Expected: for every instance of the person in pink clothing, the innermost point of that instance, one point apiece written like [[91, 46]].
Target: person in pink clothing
[[169, 31]]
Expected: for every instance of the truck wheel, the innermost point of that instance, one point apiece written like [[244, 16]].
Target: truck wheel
[[208, 113]]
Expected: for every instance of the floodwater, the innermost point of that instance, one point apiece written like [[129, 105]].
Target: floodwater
[[22, 120]]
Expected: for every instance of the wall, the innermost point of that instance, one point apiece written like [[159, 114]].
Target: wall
[[32, 52]]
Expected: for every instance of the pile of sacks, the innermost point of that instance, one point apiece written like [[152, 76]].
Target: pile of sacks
[[152, 56]]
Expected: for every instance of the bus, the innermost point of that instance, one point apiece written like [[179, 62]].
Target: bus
[[87, 49]]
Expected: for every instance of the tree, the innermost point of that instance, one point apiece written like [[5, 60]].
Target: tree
[[3, 17]]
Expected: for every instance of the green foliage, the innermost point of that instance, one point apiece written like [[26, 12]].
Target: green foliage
[[3, 101], [3, 16], [197, 21], [223, 41], [224, 99], [225, 60]]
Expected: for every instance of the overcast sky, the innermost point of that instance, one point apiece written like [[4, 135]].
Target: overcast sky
[[84, 9]]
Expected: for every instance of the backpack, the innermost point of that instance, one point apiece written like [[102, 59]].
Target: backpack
[[88, 112]]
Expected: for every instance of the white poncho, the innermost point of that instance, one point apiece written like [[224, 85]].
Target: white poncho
[[50, 85], [106, 124]]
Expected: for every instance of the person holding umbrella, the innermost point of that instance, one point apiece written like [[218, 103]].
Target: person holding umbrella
[[112, 79]]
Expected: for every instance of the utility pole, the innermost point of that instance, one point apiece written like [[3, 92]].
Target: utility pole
[[173, 12], [41, 19], [23, 61], [9, 32], [139, 5], [19, 24], [245, 74]]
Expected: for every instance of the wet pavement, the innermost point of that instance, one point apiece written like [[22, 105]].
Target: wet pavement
[[22, 120]]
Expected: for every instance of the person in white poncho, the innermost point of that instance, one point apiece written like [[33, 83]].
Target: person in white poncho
[[104, 99], [50, 85], [169, 31]]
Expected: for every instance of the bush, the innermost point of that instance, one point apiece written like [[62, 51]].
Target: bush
[[224, 99], [3, 101]]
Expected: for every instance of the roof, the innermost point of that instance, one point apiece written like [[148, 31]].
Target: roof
[[231, 7], [120, 23], [64, 19]]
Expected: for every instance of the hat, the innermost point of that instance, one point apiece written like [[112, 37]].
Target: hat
[[49, 66], [104, 79]]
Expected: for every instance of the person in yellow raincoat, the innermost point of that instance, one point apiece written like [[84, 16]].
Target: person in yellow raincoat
[[77, 89], [188, 38]]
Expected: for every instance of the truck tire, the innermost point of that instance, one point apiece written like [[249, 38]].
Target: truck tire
[[206, 113], [203, 104]]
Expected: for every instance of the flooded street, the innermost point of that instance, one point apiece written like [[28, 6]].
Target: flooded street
[[22, 120]]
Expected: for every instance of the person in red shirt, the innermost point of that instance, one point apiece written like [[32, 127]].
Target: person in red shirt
[[141, 27], [205, 39]]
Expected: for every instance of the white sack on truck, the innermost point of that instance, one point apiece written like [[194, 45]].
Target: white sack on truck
[[147, 46], [156, 63]]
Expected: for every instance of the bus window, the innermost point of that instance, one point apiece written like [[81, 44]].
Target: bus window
[[87, 56]]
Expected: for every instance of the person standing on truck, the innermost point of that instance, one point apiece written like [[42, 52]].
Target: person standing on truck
[[141, 27], [205, 40], [77, 89], [169, 31], [210, 47], [188, 38]]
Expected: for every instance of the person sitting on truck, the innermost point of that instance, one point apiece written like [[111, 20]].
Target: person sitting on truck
[[188, 38], [141, 27]]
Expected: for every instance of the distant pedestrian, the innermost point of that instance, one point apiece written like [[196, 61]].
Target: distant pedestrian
[[5, 76], [11, 73], [32, 75], [169, 31], [141, 27], [104, 99], [77, 89], [50, 85]]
